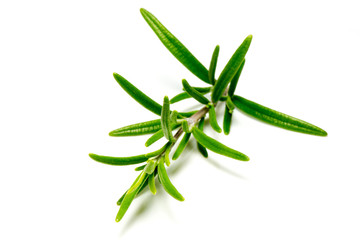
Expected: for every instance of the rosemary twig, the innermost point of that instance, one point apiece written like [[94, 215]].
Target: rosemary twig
[[189, 124]]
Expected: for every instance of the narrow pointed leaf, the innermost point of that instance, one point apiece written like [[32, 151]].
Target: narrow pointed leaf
[[123, 196], [139, 96], [184, 95], [194, 93], [129, 196], [157, 152], [176, 47], [143, 186], [151, 181], [146, 183], [186, 114], [140, 168], [230, 105], [216, 146], [235, 80], [173, 117], [201, 148], [201, 123], [227, 120], [119, 161], [230, 69], [155, 137], [203, 90], [276, 118], [165, 120], [158, 135], [213, 122], [167, 157], [179, 97], [184, 141], [168, 186], [137, 129], [213, 65]]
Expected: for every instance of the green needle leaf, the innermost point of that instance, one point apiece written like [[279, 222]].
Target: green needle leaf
[[201, 123], [227, 120], [119, 161], [179, 97], [157, 152], [140, 168], [186, 114], [229, 104], [201, 148], [212, 116], [155, 137], [165, 120], [194, 93], [123, 196], [203, 90], [143, 186], [151, 181], [216, 146], [139, 96], [176, 47], [276, 118], [141, 189], [158, 135], [137, 129], [130, 195], [184, 95], [168, 186], [213, 65], [166, 156], [181, 146], [173, 117], [235, 80], [230, 69]]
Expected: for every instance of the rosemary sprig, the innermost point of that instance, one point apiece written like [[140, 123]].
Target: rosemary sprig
[[190, 123]]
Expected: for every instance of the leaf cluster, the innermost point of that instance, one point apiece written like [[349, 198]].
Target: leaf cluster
[[187, 124]]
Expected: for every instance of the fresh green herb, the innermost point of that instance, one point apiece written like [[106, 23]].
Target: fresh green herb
[[189, 124]]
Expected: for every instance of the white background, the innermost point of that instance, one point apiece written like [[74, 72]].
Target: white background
[[59, 101]]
